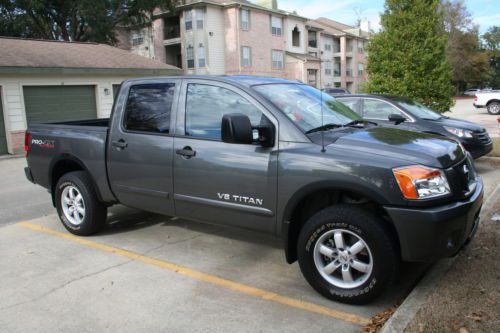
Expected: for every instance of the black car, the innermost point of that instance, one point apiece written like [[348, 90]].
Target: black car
[[401, 112]]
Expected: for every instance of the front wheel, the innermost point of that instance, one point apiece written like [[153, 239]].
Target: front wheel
[[346, 254], [493, 108], [77, 205]]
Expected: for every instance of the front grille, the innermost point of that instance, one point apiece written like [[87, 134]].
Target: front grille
[[482, 137]]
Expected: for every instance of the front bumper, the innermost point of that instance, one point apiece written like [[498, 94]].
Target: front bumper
[[477, 106], [428, 234], [478, 149]]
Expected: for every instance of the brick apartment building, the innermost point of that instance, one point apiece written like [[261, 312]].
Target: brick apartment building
[[252, 38]]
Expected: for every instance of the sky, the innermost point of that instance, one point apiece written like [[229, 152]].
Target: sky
[[485, 13]]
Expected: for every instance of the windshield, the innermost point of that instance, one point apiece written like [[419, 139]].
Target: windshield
[[302, 104], [420, 110]]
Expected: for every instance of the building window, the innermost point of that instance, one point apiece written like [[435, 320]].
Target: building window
[[188, 19], [328, 47], [190, 56], [361, 69], [361, 46], [296, 37], [200, 13], [246, 56], [328, 68], [313, 41], [245, 19], [336, 67], [201, 56], [277, 59], [276, 25], [137, 39]]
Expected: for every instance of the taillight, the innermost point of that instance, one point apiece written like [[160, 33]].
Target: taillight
[[475, 98], [27, 139]]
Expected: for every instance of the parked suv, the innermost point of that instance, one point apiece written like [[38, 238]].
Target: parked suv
[[400, 112], [336, 91], [350, 199]]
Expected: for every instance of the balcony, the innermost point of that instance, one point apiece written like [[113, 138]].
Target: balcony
[[348, 72], [171, 30]]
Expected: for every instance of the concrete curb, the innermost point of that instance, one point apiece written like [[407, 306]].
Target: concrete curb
[[418, 297], [9, 156]]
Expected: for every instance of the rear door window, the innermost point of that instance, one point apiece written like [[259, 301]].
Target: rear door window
[[149, 108], [351, 103]]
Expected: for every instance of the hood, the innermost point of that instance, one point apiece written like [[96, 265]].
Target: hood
[[458, 123], [413, 147]]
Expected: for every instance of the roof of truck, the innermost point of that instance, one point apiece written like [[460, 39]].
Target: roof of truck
[[244, 80]]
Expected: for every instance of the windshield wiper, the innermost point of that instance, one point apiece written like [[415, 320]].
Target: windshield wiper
[[324, 127], [359, 121]]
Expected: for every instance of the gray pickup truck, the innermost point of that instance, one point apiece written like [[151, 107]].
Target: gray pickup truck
[[349, 199]]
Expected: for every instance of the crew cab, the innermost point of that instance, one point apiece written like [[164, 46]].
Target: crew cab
[[349, 199], [489, 100]]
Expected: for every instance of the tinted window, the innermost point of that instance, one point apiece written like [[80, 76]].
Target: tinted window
[[376, 109], [148, 107], [351, 103], [206, 105]]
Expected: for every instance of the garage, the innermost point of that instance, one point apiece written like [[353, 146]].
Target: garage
[[59, 103], [3, 137], [53, 81]]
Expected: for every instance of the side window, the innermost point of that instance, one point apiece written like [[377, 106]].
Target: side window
[[375, 109], [206, 105], [149, 107], [351, 103]]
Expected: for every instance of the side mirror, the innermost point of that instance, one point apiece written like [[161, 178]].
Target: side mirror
[[397, 118], [236, 128]]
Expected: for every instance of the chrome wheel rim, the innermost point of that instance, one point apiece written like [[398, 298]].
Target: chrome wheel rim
[[343, 258], [495, 108], [73, 205]]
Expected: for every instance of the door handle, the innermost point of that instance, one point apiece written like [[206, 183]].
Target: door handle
[[187, 152], [120, 144]]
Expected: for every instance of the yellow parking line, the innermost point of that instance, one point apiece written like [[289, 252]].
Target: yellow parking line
[[260, 293]]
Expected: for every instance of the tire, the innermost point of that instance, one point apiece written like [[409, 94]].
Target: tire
[[379, 254], [88, 215], [493, 108]]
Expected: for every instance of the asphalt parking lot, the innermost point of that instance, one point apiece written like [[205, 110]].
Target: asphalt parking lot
[[155, 273]]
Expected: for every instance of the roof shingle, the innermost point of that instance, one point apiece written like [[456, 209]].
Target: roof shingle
[[17, 52]]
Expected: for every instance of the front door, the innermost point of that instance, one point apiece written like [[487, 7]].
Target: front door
[[232, 184], [141, 147], [379, 112]]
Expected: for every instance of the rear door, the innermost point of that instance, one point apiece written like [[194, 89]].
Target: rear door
[[233, 184], [141, 147]]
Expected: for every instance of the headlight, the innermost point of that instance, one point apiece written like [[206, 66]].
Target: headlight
[[460, 132], [420, 182]]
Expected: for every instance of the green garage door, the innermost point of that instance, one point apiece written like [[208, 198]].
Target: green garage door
[[3, 139], [59, 103]]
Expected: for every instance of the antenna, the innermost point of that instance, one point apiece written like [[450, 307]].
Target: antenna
[[321, 101]]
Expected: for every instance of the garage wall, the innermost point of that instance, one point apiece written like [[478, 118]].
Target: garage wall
[[14, 108]]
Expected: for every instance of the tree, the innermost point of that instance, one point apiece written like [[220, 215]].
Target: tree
[[469, 63], [491, 40], [74, 20], [407, 57]]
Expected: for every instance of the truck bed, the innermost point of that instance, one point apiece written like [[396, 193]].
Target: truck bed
[[84, 140]]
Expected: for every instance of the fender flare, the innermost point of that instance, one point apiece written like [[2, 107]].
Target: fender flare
[[298, 196]]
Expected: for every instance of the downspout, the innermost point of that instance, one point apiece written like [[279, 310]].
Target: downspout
[[238, 48]]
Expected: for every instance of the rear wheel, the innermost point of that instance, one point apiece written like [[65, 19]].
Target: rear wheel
[[493, 108], [346, 254], [77, 205]]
